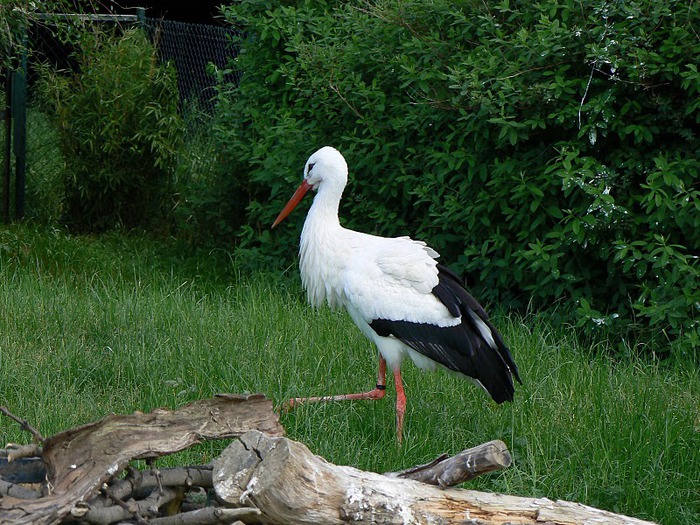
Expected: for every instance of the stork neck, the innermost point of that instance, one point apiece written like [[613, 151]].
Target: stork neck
[[324, 210], [322, 251]]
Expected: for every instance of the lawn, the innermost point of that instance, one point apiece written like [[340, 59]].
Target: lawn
[[93, 325]]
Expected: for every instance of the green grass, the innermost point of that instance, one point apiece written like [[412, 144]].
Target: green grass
[[90, 326]]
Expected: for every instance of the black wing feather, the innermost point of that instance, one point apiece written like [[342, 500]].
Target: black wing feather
[[461, 348]]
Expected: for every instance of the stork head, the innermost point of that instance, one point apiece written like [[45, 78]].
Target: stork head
[[326, 169]]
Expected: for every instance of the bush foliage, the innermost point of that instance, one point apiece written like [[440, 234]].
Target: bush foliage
[[549, 150], [119, 133]]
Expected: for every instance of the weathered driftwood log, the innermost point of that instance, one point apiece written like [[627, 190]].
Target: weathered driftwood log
[[125, 510], [138, 481], [79, 461], [14, 490], [146, 494], [449, 471], [17, 452], [210, 516], [292, 486]]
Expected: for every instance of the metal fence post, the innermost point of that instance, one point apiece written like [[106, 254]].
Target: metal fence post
[[7, 149], [19, 115], [141, 16]]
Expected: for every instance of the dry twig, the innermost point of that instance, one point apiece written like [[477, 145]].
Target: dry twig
[[24, 425]]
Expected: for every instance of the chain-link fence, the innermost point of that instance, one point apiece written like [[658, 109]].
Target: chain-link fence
[[193, 49]]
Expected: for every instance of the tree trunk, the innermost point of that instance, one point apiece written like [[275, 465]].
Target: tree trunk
[[292, 486]]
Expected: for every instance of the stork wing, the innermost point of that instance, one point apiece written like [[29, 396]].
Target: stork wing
[[472, 347], [411, 263], [394, 279]]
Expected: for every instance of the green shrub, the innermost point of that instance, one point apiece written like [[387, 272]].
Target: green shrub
[[548, 150], [120, 132]]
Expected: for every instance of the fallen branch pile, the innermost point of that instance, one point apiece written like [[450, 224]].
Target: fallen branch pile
[[83, 465], [85, 475]]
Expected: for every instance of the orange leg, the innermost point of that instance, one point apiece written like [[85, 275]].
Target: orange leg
[[400, 404], [377, 393]]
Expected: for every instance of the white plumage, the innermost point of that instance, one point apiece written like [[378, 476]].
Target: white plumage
[[395, 291]]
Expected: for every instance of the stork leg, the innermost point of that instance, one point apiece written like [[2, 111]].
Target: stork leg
[[377, 393], [400, 404]]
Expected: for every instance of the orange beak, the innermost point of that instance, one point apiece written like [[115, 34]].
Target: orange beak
[[296, 199]]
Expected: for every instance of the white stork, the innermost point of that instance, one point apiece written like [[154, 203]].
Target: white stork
[[396, 293]]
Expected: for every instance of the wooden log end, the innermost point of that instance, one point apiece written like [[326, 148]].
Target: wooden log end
[[468, 464]]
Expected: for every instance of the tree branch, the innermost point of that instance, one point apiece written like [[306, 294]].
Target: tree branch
[[24, 425]]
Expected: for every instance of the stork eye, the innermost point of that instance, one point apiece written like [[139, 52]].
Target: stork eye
[[310, 167]]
